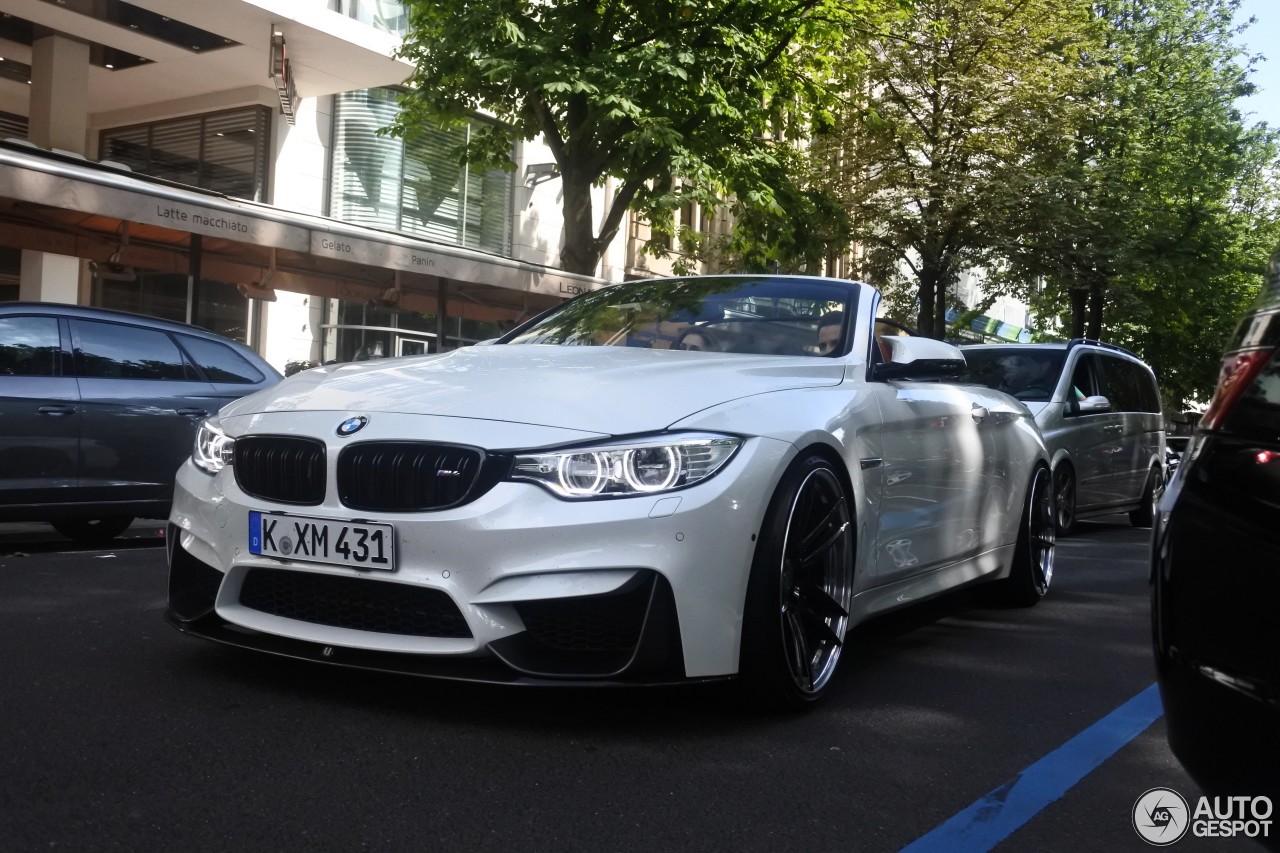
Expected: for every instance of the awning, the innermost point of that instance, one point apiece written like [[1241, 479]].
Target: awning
[[66, 205], [990, 327]]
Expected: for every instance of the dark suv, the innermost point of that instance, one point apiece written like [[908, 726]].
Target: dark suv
[[99, 408]]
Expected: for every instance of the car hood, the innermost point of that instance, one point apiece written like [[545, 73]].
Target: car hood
[[1035, 407], [611, 390]]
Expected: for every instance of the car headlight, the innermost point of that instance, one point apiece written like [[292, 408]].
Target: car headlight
[[641, 467], [213, 448]]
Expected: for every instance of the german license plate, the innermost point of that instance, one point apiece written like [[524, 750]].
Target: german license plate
[[355, 544]]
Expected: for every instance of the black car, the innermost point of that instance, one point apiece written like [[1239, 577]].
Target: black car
[[1216, 572], [99, 408]]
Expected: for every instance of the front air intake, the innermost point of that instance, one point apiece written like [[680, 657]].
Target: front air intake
[[358, 604]]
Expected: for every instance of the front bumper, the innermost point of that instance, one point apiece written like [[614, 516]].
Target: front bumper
[[517, 585], [641, 643]]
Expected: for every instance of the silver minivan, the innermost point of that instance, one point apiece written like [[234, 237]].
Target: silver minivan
[[1098, 407]]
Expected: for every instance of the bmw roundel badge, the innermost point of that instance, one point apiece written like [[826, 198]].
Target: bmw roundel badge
[[352, 425]]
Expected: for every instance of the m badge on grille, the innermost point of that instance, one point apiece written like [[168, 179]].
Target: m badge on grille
[[352, 425]]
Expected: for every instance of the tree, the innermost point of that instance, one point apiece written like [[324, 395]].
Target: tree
[[1181, 299], [1162, 211], [676, 100], [947, 113], [804, 230]]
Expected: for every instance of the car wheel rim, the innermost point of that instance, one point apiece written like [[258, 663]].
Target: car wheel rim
[[1041, 531], [1065, 493], [816, 581]]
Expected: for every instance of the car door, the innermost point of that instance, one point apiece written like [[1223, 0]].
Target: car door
[[230, 374], [39, 413], [938, 475], [141, 401], [1129, 382], [1093, 439]]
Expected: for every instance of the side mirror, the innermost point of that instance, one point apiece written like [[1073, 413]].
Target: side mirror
[[917, 358], [1093, 404]]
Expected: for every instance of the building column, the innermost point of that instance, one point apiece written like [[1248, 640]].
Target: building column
[[49, 278], [59, 118]]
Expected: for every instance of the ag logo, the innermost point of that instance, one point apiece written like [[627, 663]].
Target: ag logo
[[352, 425], [1161, 816]]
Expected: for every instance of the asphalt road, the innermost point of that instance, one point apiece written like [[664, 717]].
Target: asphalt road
[[118, 733]]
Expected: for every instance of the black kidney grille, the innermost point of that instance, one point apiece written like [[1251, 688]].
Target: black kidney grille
[[281, 468], [406, 476], [355, 603]]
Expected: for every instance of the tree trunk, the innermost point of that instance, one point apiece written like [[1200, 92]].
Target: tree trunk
[[940, 295], [924, 318], [1097, 294], [582, 251], [933, 277], [1079, 304]]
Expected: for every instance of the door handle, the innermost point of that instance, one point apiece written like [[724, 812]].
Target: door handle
[[193, 413], [57, 411], [979, 413]]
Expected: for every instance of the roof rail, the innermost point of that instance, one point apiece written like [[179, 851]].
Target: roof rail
[[1097, 343]]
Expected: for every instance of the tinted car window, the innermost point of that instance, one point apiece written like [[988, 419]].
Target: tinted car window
[[1129, 387], [1117, 385], [1028, 374], [1258, 411], [115, 351], [1083, 379], [29, 346], [1150, 394], [219, 362]]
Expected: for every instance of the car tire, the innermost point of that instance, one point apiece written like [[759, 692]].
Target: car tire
[[93, 531], [1064, 498], [1033, 557], [800, 589], [1145, 514]]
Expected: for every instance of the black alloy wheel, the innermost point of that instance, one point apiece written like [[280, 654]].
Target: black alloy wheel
[[1064, 495], [800, 590], [1032, 572], [1145, 514]]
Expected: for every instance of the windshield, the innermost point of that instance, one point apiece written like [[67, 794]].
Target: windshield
[[740, 314], [1027, 373]]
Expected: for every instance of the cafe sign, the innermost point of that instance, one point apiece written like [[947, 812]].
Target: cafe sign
[[282, 74]]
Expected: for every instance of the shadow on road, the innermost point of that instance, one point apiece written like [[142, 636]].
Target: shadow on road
[[682, 711], [39, 538]]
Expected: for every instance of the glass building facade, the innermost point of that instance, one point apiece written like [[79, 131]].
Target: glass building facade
[[417, 187], [225, 151]]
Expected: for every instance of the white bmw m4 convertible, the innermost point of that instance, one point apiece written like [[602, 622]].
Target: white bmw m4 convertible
[[660, 481]]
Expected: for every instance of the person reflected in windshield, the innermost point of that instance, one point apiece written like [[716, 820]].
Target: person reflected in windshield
[[752, 315], [697, 339], [830, 329]]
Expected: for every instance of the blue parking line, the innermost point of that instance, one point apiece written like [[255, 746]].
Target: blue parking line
[[1003, 811]]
